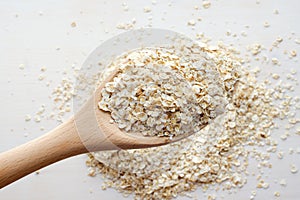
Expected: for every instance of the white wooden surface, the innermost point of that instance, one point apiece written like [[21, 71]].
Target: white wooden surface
[[31, 31]]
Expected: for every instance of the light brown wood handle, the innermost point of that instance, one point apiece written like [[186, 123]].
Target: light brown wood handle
[[61, 143]]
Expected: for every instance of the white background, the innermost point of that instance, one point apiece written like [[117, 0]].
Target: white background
[[31, 32]]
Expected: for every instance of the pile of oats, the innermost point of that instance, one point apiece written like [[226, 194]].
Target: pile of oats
[[160, 94], [216, 154]]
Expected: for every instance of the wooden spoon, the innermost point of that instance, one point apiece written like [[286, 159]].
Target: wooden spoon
[[88, 130]]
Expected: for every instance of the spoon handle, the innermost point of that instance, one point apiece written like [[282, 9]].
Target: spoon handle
[[58, 144]]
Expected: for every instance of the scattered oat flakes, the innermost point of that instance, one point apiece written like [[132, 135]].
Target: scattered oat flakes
[[191, 22], [262, 184], [61, 96], [275, 76], [206, 4], [73, 24], [244, 34], [293, 168], [21, 66], [92, 172], [37, 118], [41, 77], [211, 197], [276, 42], [43, 69], [283, 137], [275, 61], [103, 187], [127, 26], [27, 118], [293, 53], [125, 6], [255, 48], [279, 39], [293, 72], [147, 9], [266, 24], [282, 182], [253, 194], [277, 194]]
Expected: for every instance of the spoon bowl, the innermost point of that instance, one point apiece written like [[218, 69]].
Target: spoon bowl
[[106, 134]]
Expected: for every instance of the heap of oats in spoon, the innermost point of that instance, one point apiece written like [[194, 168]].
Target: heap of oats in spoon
[[160, 94]]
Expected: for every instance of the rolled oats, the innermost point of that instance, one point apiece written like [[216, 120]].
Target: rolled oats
[[215, 154], [157, 93]]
